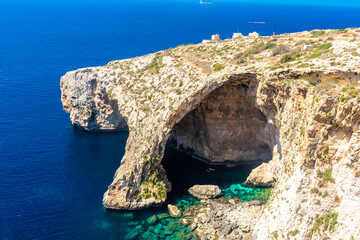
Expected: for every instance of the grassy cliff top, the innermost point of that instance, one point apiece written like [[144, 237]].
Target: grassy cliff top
[[315, 50], [188, 67]]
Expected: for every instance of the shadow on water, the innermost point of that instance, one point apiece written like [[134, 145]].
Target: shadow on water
[[95, 157], [92, 162], [184, 171]]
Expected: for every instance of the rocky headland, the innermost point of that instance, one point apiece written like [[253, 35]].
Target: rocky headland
[[291, 102]]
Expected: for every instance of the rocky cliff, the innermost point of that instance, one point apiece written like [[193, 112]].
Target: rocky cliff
[[291, 99]]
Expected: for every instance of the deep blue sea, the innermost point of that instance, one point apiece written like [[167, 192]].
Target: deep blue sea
[[52, 176]]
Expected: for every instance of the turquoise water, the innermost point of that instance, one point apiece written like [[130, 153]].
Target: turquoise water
[[184, 171]]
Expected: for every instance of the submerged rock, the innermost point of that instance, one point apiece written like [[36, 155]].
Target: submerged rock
[[180, 235], [171, 228], [133, 223], [151, 220], [149, 235], [205, 191], [262, 176], [174, 211], [158, 228], [189, 236], [162, 216], [135, 232]]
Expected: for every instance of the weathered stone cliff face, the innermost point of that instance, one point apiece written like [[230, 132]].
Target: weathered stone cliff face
[[228, 102], [317, 190], [89, 105], [227, 127]]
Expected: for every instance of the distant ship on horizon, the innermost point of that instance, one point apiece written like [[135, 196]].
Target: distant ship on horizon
[[202, 2]]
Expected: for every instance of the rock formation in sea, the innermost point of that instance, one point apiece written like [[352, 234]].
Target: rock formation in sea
[[205, 191], [245, 100]]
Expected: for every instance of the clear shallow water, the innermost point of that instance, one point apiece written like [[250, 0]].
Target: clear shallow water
[[184, 172], [52, 177]]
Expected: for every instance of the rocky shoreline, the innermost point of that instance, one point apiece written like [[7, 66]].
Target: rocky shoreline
[[224, 218], [291, 101], [232, 220], [212, 218]]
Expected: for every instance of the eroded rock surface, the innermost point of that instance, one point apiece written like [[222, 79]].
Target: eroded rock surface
[[226, 127], [227, 221], [297, 106], [262, 176], [205, 191]]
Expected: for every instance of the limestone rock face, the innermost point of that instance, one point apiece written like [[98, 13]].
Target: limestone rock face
[[233, 102], [224, 221], [205, 191], [85, 97], [226, 127], [174, 211], [262, 176]]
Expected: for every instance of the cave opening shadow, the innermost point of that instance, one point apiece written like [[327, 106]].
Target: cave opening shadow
[[225, 129], [184, 171]]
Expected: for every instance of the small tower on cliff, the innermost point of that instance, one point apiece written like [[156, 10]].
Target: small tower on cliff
[[215, 37]]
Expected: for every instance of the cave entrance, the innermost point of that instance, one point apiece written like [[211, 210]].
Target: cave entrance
[[225, 129], [184, 171]]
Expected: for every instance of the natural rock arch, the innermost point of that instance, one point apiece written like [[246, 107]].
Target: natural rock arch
[[312, 105], [141, 181]]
